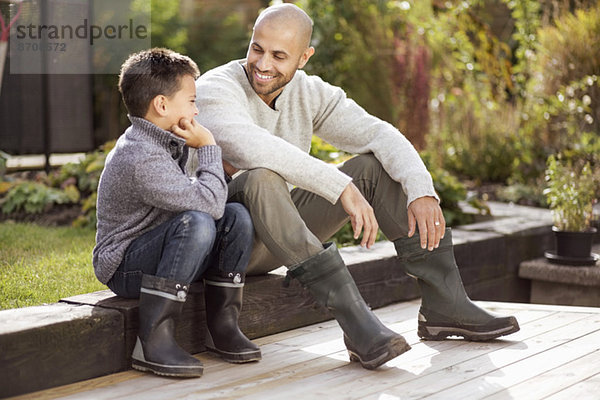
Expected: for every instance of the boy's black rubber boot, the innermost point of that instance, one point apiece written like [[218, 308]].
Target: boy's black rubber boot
[[223, 295], [156, 350], [327, 278], [446, 310]]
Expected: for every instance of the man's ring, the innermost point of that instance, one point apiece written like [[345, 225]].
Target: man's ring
[[437, 223]]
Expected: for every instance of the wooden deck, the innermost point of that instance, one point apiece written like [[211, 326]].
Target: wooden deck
[[556, 355]]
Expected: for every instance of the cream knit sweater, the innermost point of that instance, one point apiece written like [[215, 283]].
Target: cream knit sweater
[[253, 135]]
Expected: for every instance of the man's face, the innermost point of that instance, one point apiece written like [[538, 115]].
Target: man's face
[[274, 55]]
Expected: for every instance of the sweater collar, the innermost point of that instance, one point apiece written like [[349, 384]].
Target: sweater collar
[[144, 129], [156, 135]]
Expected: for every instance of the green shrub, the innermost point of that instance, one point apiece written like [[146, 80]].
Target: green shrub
[[32, 198], [480, 145], [83, 178], [354, 47], [73, 183], [569, 52], [560, 97]]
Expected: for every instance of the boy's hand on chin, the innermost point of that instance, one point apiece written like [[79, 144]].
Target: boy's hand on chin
[[195, 135]]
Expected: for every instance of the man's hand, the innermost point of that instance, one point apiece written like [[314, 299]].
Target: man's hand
[[427, 214], [195, 135], [361, 215]]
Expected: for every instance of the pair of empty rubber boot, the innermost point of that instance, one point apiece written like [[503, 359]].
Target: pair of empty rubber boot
[[162, 300], [446, 309]]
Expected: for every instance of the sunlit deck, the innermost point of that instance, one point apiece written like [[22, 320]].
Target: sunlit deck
[[555, 355]]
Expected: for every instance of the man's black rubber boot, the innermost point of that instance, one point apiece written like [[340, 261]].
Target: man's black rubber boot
[[223, 294], [156, 350], [446, 310], [327, 278]]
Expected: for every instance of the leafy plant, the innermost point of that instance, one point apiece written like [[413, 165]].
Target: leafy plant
[[81, 179], [73, 183], [570, 193], [32, 197]]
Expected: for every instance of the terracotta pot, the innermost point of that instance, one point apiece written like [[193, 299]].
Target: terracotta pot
[[573, 248]]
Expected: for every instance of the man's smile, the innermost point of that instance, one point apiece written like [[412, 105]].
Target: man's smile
[[263, 77]]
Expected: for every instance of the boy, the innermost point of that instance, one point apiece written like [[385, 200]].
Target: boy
[[158, 230]]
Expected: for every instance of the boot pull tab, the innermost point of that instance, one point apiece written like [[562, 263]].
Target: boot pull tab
[[237, 278], [181, 292]]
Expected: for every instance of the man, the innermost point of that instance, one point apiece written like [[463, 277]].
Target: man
[[263, 112]]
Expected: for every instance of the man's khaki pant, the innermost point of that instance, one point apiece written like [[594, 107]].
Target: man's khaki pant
[[290, 227]]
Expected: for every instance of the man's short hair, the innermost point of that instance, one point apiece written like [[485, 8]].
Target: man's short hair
[[149, 73]]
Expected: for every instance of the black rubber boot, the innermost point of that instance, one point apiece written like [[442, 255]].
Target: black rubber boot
[[223, 296], [446, 310], [156, 350], [327, 278]]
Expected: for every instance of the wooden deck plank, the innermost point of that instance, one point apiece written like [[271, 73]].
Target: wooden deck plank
[[286, 372], [521, 371], [478, 363], [555, 380], [296, 354], [408, 366], [587, 389], [497, 370], [122, 385], [311, 363], [290, 378]]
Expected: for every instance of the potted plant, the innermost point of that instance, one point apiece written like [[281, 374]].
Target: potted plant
[[570, 193]]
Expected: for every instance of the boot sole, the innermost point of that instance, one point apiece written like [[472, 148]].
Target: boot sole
[[391, 350], [237, 358], [168, 370], [427, 332]]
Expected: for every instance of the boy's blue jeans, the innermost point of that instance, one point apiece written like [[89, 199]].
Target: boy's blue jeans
[[183, 248]]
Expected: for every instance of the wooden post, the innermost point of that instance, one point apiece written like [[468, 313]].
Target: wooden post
[[3, 50], [6, 25]]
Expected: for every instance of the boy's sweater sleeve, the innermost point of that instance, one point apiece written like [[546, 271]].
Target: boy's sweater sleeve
[[347, 126], [166, 187], [247, 146]]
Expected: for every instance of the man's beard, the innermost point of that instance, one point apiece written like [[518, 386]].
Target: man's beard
[[278, 81]]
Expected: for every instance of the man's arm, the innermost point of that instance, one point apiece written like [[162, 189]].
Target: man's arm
[[247, 146], [349, 127]]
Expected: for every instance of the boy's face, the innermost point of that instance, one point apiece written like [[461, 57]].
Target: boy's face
[[182, 104]]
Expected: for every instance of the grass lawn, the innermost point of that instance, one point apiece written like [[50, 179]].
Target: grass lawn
[[42, 265]]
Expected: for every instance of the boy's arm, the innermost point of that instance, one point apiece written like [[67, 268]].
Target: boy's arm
[[164, 184], [195, 135]]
